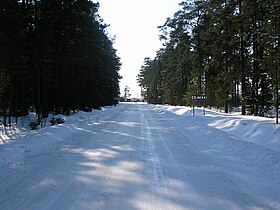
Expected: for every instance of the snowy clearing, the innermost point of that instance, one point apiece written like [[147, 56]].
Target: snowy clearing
[[140, 156]]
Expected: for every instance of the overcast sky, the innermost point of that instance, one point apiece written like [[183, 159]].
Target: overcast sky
[[134, 22]]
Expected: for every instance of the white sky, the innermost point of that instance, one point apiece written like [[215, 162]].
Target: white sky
[[134, 22]]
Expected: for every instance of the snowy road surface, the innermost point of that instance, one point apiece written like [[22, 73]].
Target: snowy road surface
[[135, 157]]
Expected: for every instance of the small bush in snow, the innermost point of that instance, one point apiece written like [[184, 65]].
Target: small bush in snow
[[33, 125], [56, 121], [86, 109]]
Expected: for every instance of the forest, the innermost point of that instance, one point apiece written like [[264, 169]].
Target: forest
[[224, 50], [55, 57]]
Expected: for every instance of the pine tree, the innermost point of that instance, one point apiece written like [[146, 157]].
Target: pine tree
[[225, 49], [55, 56]]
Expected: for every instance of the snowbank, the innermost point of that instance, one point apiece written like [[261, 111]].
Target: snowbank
[[259, 130], [18, 141]]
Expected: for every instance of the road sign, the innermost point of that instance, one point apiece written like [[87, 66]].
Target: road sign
[[199, 98]]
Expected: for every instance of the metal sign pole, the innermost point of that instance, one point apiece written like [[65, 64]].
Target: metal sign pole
[[204, 112], [193, 110], [199, 98]]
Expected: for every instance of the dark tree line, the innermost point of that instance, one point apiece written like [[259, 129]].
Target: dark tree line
[[227, 50], [55, 56]]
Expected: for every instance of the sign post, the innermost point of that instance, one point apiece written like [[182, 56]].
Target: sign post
[[199, 98]]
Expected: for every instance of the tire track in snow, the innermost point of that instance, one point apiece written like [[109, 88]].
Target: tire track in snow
[[150, 155], [217, 178]]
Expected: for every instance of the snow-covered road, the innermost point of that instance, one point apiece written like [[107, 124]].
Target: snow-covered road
[[135, 157]]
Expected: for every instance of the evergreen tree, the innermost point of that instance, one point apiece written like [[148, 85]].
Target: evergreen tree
[[55, 55], [225, 49]]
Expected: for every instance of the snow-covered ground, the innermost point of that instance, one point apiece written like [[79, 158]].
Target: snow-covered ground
[[259, 130], [141, 156]]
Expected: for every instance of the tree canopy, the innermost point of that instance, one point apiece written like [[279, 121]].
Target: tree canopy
[[224, 49], [55, 56]]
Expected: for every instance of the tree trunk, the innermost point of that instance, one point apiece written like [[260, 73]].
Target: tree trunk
[[276, 65], [242, 62], [4, 116]]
